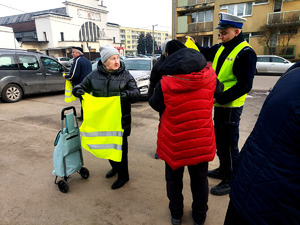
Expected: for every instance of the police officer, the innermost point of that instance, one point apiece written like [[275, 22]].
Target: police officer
[[234, 62]]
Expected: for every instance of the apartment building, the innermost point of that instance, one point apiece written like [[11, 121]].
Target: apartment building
[[129, 38], [198, 18]]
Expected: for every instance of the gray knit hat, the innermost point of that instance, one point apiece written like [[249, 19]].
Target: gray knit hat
[[107, 51]]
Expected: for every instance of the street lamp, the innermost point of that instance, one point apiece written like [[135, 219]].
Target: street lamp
[[153, 39]]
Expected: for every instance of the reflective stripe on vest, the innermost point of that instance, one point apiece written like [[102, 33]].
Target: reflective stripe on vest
[[69, 97], [226, 75], [101, 130]]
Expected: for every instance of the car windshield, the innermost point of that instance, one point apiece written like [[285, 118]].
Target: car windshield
[[137, 64]]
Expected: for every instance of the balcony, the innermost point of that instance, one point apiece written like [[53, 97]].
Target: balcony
[[200, 27], [288, 17], [188, 3]]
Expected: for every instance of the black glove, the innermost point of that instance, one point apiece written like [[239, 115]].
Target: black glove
[[77, 92]]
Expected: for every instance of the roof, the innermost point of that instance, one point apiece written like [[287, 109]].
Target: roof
[[27, 17]]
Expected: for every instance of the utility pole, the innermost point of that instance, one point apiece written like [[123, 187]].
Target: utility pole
[[153, 39]]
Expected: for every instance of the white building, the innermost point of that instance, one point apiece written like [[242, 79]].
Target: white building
[[80, 23], [7, 38]]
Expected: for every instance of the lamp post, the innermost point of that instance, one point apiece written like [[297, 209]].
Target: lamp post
[[153, 39]]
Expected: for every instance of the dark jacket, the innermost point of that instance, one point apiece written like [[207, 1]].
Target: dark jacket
[[101, 83], [265, 188], [243, 68], [80, 68], [155, 75], [183, 61]]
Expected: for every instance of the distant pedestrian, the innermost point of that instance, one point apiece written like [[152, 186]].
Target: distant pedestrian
[[234, 61], [265, 188], [80, 68], [184, 99]]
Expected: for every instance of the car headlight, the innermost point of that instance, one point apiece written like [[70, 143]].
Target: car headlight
[[147, 77]]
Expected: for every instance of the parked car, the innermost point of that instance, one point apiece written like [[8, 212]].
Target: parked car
[[140, 69], [272, 64], [269, 68], [23, 72], [95, 60], [64, 61]]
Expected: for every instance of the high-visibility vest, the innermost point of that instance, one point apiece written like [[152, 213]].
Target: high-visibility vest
[[101, 130], [69, 97], [226, 75]]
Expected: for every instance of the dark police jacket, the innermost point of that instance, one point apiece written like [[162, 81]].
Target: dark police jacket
[[265, 188]]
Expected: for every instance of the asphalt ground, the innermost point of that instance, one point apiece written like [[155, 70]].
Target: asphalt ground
[[28, 194]]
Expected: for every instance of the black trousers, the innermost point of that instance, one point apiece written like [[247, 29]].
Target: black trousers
[[226, 122], [233, 217], [199, 188], [122, 167]]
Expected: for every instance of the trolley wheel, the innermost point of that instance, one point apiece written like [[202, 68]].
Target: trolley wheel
[[63, 186], [84, 172]]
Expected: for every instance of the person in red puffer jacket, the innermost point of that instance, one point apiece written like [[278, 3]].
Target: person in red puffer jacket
[[184, 98]]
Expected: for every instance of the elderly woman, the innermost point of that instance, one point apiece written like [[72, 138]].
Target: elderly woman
[[111, 79]]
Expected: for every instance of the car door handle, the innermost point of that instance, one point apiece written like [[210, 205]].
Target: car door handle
[[39, 74], [48, 74]]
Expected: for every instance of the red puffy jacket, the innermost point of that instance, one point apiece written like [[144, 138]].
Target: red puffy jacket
[[186, 132]]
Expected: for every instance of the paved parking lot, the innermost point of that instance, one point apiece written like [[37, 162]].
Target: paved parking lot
[[28, 194]]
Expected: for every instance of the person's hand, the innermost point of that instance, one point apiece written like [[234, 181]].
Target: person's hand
[[78, 92], [188, 37], [214, 101], [63, 75]]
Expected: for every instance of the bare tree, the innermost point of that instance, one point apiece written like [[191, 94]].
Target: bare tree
[[267, 32], [284, 31]]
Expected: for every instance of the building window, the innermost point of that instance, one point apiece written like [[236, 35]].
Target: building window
[[202, 16], [89, 31], [62, 36], [45, 36], [261, 2], [242, 9]]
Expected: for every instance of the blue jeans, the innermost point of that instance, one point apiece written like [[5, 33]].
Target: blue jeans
[[227, 121]]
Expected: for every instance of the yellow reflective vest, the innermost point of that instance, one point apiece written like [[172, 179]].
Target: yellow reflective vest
[[101, 130], [226, 75], [69, 97]]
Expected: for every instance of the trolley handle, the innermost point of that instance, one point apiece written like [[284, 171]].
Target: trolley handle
[[65, 109]]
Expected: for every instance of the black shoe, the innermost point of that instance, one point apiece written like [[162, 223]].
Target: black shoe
[[111, 173], [175, 221], [222, 188], [119, 183], [216, 173], [80, 118]]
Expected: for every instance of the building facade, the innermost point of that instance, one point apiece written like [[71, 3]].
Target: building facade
[[198, 18], [129, 38], [80, 23]]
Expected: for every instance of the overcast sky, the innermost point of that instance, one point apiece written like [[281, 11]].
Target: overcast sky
[[126, 13]]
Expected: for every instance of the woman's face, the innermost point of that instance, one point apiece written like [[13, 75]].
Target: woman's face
[[112, 63]]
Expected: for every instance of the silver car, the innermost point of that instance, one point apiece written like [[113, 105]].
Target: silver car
[[272, 64], [140, 69], [269, 68], [64, 61]]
